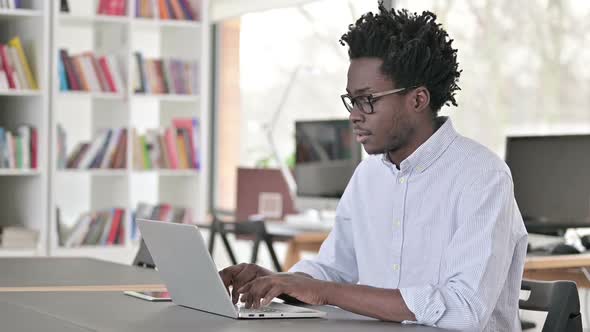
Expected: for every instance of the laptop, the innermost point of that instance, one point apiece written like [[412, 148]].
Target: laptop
[[187, 269]]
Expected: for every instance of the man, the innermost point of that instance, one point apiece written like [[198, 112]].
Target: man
[[428, 230]]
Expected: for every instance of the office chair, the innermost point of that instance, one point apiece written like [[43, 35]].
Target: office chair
[[223, 223], [559, 299], [143, 257]]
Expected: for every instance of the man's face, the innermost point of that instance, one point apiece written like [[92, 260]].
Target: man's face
[[391, 125]]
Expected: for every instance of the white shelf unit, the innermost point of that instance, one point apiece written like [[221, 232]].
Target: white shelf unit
[[23, 13], [82, 114], [21, 93], [91, 95], [23, 192]]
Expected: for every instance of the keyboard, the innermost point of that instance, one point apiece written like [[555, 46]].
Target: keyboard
[[259, 310]]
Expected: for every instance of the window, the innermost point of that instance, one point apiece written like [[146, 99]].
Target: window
[[524, 70]]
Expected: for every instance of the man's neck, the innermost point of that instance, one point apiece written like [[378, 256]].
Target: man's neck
[[421, 136]]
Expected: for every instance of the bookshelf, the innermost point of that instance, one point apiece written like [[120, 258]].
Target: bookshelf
[[19, 14], [23, 192], [21, 93], [83, 114]]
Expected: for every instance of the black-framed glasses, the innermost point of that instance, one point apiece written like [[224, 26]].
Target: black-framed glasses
[[365, 102]]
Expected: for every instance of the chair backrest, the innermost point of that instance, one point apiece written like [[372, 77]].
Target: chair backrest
[[225, 222], [559, 299]]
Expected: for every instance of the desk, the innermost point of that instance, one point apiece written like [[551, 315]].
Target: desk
[[17, 318], [561, 267], [45, 274], [114, 311]]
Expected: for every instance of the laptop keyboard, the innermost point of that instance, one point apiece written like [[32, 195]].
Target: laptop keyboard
[[241, 308]]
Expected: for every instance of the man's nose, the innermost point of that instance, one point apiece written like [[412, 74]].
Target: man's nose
[[356, 115]]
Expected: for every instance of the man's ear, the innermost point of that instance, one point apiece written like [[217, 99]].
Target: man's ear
[[420, 99]]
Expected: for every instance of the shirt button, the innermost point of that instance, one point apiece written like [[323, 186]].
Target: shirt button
[[397, 223], [395, 267], [419, 168], [402, 180]]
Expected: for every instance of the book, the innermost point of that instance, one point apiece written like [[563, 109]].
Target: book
[[113, 65], [89, 73], [18, 68], [106, 229], [146, 162], [177, 10], [100, 76], [109, 155], [79, 72], [78, 233], [120, 157], [188, 125], [7, 66], [163, 9], [100, 154], [61, 72], [73, 80], [18, 237], [187, 10], [140, 73], [93, 149], [183, 161], [137, 151], [116, 226], [24, 133], [34, 148], [16, 43], [3, 78], [110, 79], [64, 7], [95, 229], [171, 147], [10, 150]]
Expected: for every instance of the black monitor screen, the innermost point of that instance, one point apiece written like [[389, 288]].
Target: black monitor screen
[[551, 178], [326, 155]]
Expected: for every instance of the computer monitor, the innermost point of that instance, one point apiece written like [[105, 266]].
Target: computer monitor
[[551, 180], [326, 156]]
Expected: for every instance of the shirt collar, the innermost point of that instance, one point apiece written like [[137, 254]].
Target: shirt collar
[[430, 150]]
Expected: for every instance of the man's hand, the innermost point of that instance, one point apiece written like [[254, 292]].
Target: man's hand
[[239, 275], [299, 286]]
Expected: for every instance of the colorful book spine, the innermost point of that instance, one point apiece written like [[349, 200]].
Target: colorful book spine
[[63, 81], [177, 10], [6, 65], [16, 43], [187, 10]]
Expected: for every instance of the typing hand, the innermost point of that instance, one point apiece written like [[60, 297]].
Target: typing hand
[[261, 291], [239, 275]]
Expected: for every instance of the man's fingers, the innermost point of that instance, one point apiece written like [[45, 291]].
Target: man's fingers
[[256, 290], [245, 288], [247, 274], [244, 276], [227, 274], [262, 292], [247, 301], [271, 294], [225, 277]]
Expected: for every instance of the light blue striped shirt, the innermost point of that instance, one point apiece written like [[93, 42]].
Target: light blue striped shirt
[[444, 229]]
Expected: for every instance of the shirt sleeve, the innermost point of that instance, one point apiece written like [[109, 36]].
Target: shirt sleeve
[[475, 265], [336, 260]]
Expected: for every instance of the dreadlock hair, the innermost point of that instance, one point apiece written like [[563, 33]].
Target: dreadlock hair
[[415, 50]]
